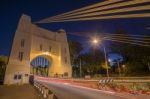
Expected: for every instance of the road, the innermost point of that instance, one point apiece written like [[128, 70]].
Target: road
[[68, 91]]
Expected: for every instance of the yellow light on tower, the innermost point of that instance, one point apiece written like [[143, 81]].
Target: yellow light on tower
[[46, 53]]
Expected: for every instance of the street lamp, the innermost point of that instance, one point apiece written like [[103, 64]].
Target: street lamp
[[124, 66], [96, 41]]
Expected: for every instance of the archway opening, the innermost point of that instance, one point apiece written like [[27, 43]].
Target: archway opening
[[40, 66]]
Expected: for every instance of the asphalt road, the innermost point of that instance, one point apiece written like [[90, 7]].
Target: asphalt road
[[68, 91]]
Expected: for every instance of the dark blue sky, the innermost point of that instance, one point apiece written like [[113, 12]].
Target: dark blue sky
[[11, 10]]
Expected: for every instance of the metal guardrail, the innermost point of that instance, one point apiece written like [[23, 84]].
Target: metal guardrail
[[117, 80], [45, 91], [133, 81]]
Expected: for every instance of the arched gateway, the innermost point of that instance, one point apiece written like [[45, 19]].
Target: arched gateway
[[31, 41]]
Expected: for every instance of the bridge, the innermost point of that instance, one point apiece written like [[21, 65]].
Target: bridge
[[34, 46]]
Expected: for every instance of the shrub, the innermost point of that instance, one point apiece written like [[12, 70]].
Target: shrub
[[97, 76], [148, 85]]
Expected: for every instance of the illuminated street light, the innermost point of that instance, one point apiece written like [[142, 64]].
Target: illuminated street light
[[109, 60], [123, 66], [96, 41]]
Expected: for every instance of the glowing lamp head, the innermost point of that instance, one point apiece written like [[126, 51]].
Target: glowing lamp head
[[109, 60], [95, 41]]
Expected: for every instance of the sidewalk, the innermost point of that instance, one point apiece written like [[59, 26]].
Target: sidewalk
[[19, 92], [121, 94], [132, 96]]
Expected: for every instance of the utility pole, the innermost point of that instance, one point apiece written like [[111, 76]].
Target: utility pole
[[95, 41], [80, 69], [119, 70], [106, 63], [148, 66]]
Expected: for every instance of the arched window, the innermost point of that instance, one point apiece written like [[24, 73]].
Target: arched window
[[22, 42]]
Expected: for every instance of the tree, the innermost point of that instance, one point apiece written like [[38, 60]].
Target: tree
[[136, 58], [75, 49], [3, 63], [92, 62]]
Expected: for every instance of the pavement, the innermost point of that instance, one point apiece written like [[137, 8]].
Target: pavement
[[68, 91], [19, 92]]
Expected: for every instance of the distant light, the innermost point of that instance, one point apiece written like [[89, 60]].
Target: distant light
[[95, 41], [109, 60], [123, 66]]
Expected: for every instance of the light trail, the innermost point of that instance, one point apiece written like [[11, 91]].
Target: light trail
[[128, 36], [88, 7], [138, 8], [47, 20], [141, 15], [139, 40], [127, 39], [128, 42], [108, 34], [144, 36], [80, 88]]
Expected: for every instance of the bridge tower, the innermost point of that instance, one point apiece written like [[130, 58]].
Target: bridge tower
[[31, 41]]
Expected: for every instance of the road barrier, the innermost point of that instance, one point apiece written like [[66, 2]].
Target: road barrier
[[106, 80], [45, 91]]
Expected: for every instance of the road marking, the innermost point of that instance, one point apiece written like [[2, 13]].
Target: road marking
[[66, 83]]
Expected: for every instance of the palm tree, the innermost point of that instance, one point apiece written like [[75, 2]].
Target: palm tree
[[3, 63]]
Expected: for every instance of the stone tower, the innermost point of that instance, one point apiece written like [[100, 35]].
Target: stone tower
[[31, 41]]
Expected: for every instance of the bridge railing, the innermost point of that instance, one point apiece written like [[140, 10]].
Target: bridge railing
[[45, 91]]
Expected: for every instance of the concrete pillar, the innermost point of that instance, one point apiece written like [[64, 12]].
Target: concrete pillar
[[45, 94], [50, 94], [35, 84], [42, 89]]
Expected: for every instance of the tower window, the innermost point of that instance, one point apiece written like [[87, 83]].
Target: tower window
[[19, 76], [41, 47], [65, 50], [22, 42], [65, 60], [21, 56], [15, 77], [50, 48]]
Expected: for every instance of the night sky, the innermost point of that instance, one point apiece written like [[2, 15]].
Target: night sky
[[11, 10]]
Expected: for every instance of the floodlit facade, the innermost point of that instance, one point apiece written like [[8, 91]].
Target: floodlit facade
[[31, 41]]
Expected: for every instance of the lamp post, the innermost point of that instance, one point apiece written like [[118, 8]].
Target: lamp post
[[106, 63], [124, 66], [80, 69], [119, 69], [95, 41]]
